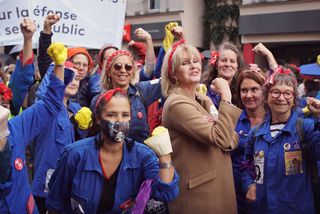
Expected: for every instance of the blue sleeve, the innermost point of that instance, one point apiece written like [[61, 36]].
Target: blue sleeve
[[247, 165], [160, 191], [94, 86], [59, 184], [44, 59], [20, 82], [312, 137], [34, 119], [157, 70], [149, 91], [68, 77]]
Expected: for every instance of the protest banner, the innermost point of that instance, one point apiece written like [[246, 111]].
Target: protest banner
[[89, 24]]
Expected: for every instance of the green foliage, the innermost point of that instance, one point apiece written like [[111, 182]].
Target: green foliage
[[221, 18]]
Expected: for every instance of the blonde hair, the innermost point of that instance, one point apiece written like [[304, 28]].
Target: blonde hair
[[105, 79], [170, 83]]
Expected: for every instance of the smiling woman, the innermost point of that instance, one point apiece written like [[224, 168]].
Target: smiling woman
[[199, 140], [227, 65], [277, 149]]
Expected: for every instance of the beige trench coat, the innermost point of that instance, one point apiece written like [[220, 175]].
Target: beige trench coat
[[200, 154]]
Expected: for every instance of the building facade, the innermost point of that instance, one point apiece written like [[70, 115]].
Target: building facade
[[153, 15], [290, 29]]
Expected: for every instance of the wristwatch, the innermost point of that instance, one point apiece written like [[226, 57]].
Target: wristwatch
[[165, 165]]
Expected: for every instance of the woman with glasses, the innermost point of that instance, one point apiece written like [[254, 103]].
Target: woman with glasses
[[120, 71], [275, 151]]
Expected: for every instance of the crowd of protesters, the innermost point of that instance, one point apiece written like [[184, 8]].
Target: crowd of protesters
[[234, 138]]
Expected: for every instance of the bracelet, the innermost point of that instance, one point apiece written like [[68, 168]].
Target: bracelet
[[166, 165], [226, 102]]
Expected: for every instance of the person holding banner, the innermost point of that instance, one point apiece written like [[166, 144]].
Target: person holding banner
[[17, 133]]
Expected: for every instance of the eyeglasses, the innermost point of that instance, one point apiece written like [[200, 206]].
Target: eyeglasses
[[79, 64], [119, 66], [276, 93]]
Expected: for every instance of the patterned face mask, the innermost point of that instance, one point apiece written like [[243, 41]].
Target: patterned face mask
[[115, 131]]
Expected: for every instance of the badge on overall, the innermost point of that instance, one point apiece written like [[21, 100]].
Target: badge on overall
[[259, 166], [293, 162]]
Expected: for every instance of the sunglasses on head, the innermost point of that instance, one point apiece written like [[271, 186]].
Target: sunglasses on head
[[118, 66]]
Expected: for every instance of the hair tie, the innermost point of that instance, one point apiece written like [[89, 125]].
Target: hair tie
[[214, 57], [278, 70], [255, 68]]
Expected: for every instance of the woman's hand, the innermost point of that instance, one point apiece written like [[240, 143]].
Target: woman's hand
[[58, 53], [221, 87], [50, 20], [251, 194], [313, 105]]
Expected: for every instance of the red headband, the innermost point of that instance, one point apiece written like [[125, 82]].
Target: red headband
[[174, 48], [214, 57], [5, 92], [102, 51], [117, 53], [295, 67], [279, 70], [108, 94]]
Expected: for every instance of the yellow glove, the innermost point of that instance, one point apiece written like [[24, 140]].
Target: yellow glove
[[202, 89], [169, 37], [83, 118], [160, 141], [58, 53], [306, 111], [318, 60]]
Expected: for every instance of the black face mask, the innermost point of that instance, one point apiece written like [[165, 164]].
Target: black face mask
[[116, 132]]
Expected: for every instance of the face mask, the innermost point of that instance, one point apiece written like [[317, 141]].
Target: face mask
[[115, 131]]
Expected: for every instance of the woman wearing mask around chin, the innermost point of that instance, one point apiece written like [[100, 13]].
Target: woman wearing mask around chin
[[276, 177], [103, 174], [200, 140]]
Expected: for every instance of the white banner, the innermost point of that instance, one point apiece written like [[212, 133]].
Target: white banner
[[83, 23]]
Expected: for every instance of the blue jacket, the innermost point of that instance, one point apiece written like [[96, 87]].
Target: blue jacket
[[242, 128], [20, 82], [283, 182], [215, 98], [15, 194], [49, 143], [141, 96], [79, 177]]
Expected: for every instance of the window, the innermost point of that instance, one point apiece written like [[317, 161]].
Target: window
[[154, 5]]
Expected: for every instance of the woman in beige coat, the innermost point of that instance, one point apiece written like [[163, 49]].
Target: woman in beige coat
[[201, 136]]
